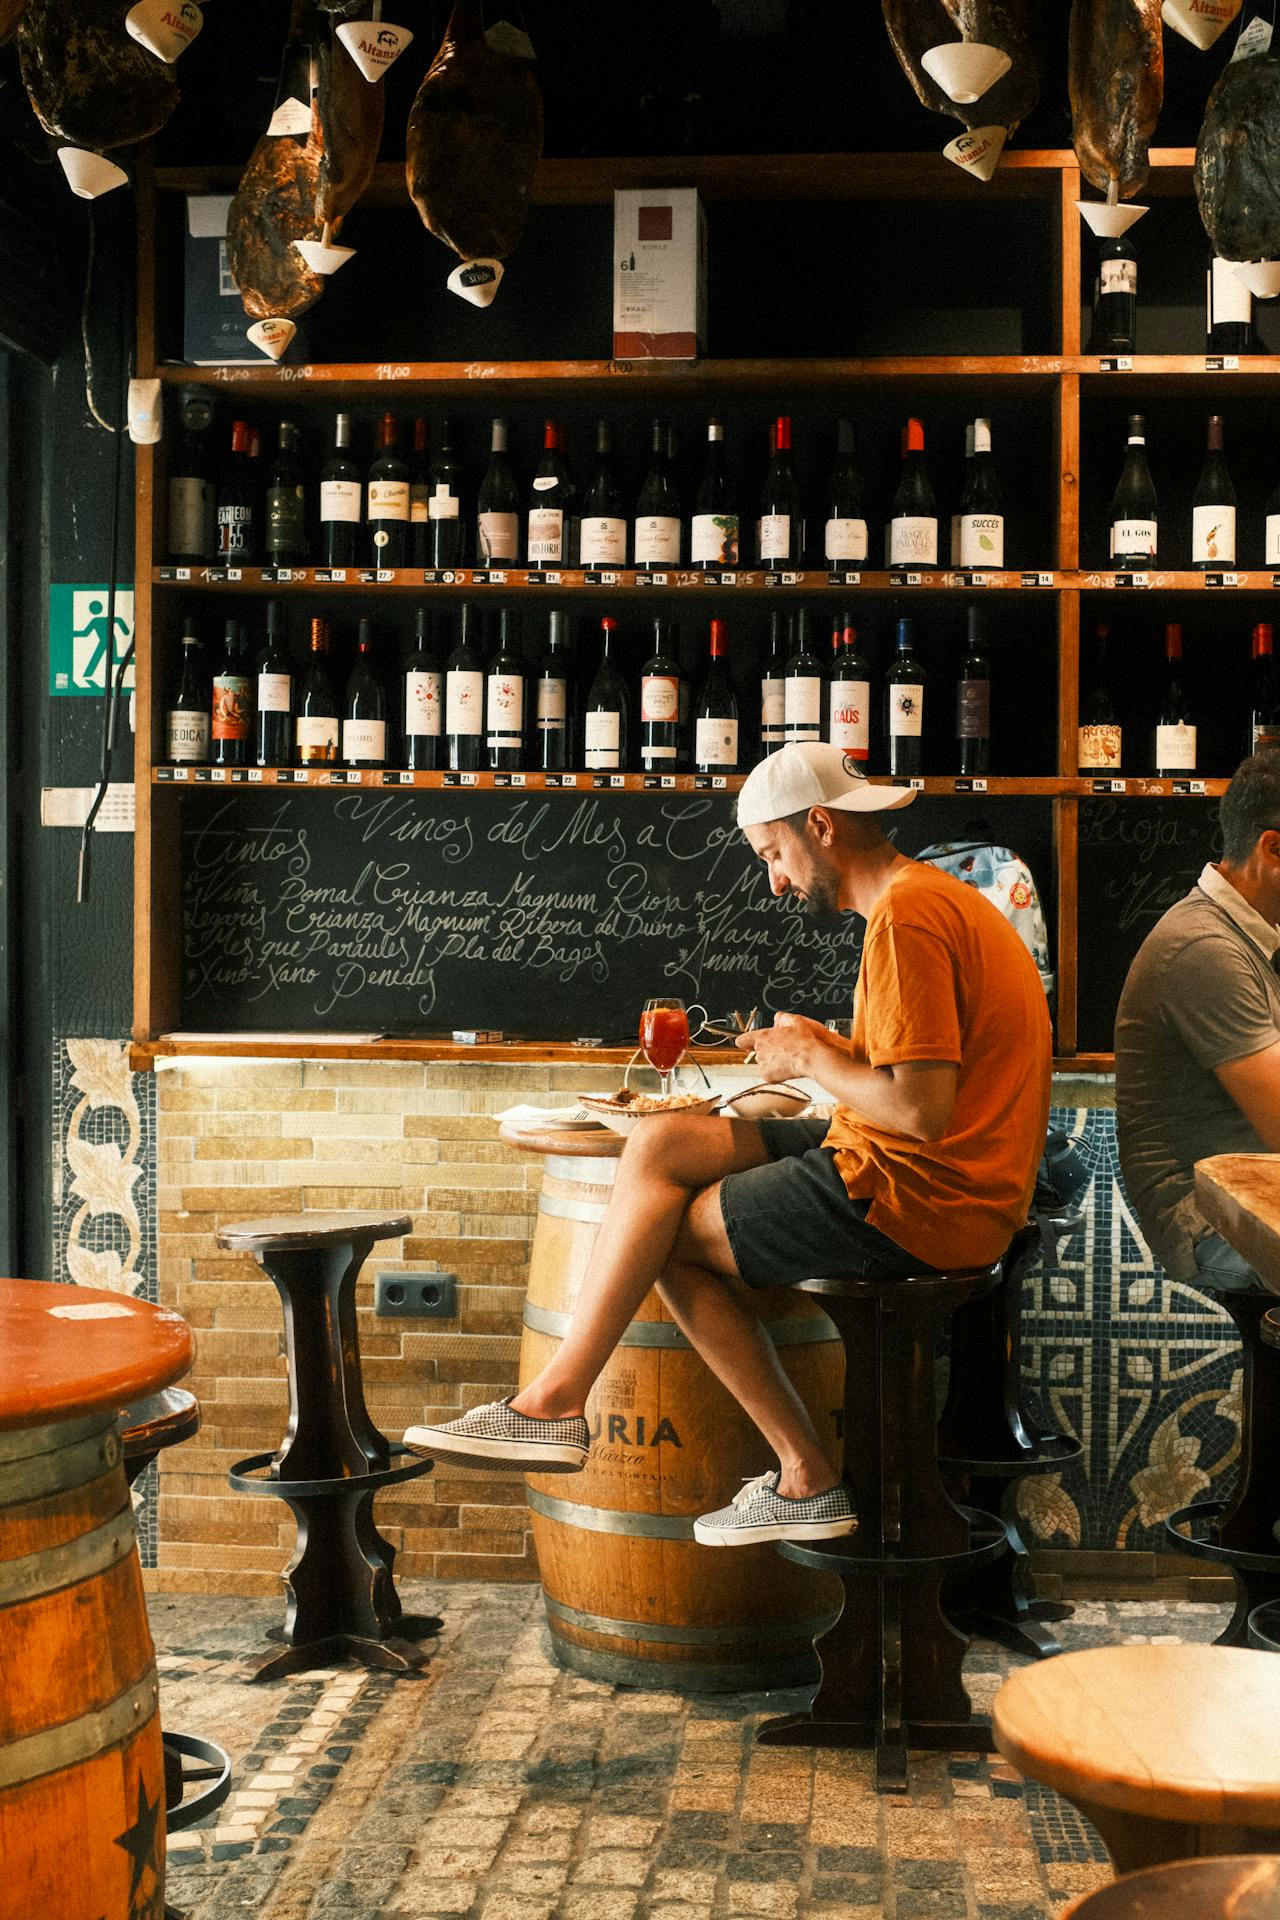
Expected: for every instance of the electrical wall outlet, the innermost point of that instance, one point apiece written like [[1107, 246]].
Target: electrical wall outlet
[[416, 1296]]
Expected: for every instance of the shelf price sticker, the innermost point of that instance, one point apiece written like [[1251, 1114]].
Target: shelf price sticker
[[383, 574], [652, 579], [1132, 580], [537, 578], [293, 777], [460, 780], [437, 577], [606, 780], [1224, 580], [836, 579], [329, 577], [654, 781], [710, 783], [345, 777], [488, 578], [175, 573], [1037, 579], [561, 779], [508, 780], [1186, 786], [397, 778], [783, 579], [1222, 363], [1108, 786], [966, 578], [171, 773], [1116, 363], [593, 577], [966, 785], [906, 580], [915, 783]]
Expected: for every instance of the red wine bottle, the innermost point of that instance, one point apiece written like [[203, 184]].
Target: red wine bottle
[[341, 499], [504, 698], [913, 528], [781, 523], [803, 686], [187, 731], [315, 727], [849, 693], [1213, 506], [498, 506], [387, 501], [1101, 741], [1115, 297], [550, 506], [237, 499], [606, 713], [273, 738], [715, 748], [286, 516], [193, 495], [1134, 513], [904, 699], [1175, 722], [232, 701], [1264, 714], [464, 696], [656, 531], [422, 717], [714, 533], [660, 702], [973, 700], [364, 710]]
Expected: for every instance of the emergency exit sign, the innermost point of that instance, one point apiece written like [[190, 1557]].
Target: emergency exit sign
[[80, 650]]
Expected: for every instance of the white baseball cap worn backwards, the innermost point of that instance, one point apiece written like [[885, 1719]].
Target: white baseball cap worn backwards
[[798, 777]]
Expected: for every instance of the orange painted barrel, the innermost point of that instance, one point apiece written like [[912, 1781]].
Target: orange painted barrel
[[630, 1595]]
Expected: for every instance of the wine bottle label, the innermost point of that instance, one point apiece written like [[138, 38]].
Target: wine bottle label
[[418, 505], [422, 704], [775, 536], [1176, 748], [973, 710], [230, 707], [850, 716], [1100, 748], [364, 740], [190, 501], [1118, 276], [316, 736], [188, 737], [463, 702], [546, 533], [552, 704], [506, 709], [658, 538], [1230, 301], [275, 692], [388, 500], [1133, 538], [659, 697], [772, 709], [846, 540], [235, 525], [802, 707], [906, 710], [1271, 557], [1213, 535], [443, 505], [286, 519], [714, 540], [603, 740], [1265, 734], [340, 500], [982, 540], [715, 743], [913, 540], [603, 542], [497, 536], [543, 482]]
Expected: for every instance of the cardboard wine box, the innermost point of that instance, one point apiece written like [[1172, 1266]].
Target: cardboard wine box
[[659, 274]]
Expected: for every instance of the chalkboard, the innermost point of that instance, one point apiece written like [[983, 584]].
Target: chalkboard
[[1137, 857], [550, 916]]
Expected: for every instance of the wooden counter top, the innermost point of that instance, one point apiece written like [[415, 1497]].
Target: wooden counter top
[[1239, 1195]]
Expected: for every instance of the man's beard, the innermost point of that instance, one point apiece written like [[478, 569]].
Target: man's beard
[[821, 902]]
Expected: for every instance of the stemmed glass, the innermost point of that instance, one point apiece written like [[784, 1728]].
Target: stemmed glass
[[664, 1035]]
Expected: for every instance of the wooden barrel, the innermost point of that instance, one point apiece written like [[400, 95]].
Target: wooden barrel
[[630, 1595], [81, 1770]]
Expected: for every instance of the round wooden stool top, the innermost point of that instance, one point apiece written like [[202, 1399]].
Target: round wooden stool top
[[73, 1351], [1172, 1733], [290, 1232], [161, 1420], [596, 1143], [1230, 1886]]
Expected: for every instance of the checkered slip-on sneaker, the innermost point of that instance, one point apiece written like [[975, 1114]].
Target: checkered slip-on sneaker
[[759, 1512], [496, 1435]]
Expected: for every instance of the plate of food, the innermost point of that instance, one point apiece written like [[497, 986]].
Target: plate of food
[[623, 1110], [768, 1101]]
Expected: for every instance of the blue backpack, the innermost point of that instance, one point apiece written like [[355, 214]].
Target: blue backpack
[[1005, 879]]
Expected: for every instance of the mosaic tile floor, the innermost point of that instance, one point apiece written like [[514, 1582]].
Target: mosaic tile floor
[[499, 1787]]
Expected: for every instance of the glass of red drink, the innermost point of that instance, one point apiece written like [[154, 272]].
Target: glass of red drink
[[664, 1035]]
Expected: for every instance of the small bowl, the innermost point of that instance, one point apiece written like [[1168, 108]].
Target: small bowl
[[622, 1119], [768, 1102]]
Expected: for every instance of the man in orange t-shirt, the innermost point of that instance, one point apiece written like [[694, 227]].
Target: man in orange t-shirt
[[929, 1161]]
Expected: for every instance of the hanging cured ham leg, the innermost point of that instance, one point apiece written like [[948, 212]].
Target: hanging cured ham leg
[[991, 92], [89, 82], [1115, 78], [1238, 170]]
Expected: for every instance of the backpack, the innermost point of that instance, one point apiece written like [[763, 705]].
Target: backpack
[[1006, 881]]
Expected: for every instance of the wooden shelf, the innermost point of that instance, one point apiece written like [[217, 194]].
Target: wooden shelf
[[1174, 373], [509, 580], [942, 786]]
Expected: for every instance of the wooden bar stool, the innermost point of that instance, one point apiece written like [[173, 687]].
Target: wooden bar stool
[[1236, 1886], [1171, 1752], [82, 1787], [891, 1662], [332, 1459]]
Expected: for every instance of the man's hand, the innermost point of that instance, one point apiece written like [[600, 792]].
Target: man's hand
[[791, 1047]]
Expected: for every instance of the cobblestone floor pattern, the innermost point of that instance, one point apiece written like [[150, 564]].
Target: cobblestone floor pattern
[[500, 1787]]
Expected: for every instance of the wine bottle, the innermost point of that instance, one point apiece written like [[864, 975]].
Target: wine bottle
[[387, 500], [845, 540], [1115, 297], [419, 498], [553, 701], [773, 448], [550, 506], [273, 739], [445, 524], [498, 506], [193, 496], [660, 703], [286, 516], [1228, 311], [364, 709], [955, 518], [1264, 710], [237, 494], [1134, 514], [904, 691], [603, 535], [605, 715], [464, 696], [232, 703], [656, 531], [423, 714], [715, 747], [504, 697], [315, 726], [1100, 740], [187, 730], [913, 528], [773, 686], [781, 523], [713, 535], [973, 699], [849, 693], [803, 686], [340, 500], [1175, 722], [982, 507], [1213, 509]]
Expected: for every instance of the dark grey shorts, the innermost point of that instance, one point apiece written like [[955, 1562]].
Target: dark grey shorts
[[793, 1220]]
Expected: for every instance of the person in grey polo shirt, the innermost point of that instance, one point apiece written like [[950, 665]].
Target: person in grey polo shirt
[[1198, 1035]]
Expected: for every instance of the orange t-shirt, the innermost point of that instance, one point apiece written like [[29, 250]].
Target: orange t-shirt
[[945, 977]]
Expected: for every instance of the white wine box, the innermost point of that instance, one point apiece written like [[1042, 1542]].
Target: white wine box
[[659, 275]]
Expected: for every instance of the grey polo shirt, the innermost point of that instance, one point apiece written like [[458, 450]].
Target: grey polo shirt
[[1203, 990]]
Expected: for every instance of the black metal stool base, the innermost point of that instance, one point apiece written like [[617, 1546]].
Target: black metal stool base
[[1257, 1574], [394, 1654]]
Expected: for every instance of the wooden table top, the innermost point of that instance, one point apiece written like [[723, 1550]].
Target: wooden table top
[[1180, 1733], [72, 1351], [1229, 1886], [292, 1232], [1239, 1195], [599, 1143]]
